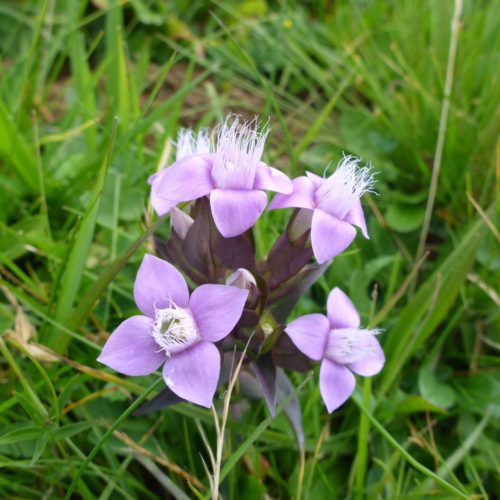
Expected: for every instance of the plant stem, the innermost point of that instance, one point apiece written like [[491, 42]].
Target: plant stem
[[443, 122], [363, 437]]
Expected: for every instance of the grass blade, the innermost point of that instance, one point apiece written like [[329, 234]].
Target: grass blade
[[77, 256], [109, 433], [96, 290], [429, 307], [433, 476]]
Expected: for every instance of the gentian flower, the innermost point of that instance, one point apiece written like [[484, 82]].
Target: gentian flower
[[233, 176], [340, 344], [333, 204], [176, 331], [188, 144]]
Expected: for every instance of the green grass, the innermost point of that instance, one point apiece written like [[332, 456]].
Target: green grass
[[91, 93]]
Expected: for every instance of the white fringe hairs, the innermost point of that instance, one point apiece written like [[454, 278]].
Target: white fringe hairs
[[346, 185], [359, 180], [238, 149], [188, 143], [174, 329]]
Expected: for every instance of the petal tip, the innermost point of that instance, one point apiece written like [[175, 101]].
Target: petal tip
[[236, 211], [193, 374]]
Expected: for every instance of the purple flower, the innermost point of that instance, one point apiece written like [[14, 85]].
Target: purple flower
[[188, 144], [233, 176], [334, 205], [176, 330], [342, 347]]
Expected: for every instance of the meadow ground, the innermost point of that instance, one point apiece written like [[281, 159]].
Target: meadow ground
[[91, 95]]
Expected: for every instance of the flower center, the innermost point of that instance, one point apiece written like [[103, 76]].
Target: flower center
[[237, 154], [349, 345], [347, 184], [174, 329]]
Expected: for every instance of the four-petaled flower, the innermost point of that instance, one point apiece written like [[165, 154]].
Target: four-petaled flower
[[340, 344], [179, 331], [188, 144], [334, 204], [176, 330], [233, 176]]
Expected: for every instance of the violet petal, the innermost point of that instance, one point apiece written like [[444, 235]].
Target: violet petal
[[316, 179], [181, 222], [216, 309], [356, 217], [271, 179], [348, 346], [193, 374], [186, 180], [157, 284], [336, 384], [371, 365], [358, 349], [235, 211], [161, 206], [131, 349], [341, 311], [302, 195], [309, 333], [329, 235]]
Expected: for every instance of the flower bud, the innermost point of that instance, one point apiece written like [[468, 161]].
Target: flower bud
[[181, 221], [244, 279], [300, 224], [241, 278]]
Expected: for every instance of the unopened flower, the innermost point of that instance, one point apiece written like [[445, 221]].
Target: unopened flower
[[335, 205], [176, 331], [340, 344], [242, 278], [181, 221], [233, 176]]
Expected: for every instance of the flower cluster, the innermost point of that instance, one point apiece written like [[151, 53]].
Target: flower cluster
[[215, 192]]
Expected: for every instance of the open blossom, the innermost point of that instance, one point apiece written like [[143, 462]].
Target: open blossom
[[188, 144], [340, 344], [176, 331], [233, 176], [333, 205]]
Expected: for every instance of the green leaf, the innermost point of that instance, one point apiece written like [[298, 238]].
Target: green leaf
[[77, 256], [95, 291], [416, 404], [118, 85], [41, 444], [145, 14], [477, 391], [433, 390], [404, 218], [16, 152], [108, 434], [429, 307], [81, 73], [27, 433], [432, 476], [239, 452], [71, 429]]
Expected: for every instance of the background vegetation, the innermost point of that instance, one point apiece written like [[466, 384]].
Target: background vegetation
[[91, 94]]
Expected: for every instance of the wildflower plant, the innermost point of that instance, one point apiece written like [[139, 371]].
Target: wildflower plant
[[215, 191]]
